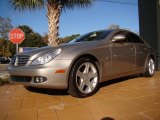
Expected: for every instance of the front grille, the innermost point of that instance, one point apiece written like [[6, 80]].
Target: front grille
[[20, 78], [20, 60]]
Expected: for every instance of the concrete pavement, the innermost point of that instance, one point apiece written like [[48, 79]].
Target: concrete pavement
[[131, 98]]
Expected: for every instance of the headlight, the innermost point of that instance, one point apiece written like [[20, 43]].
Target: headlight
[[46, 57]]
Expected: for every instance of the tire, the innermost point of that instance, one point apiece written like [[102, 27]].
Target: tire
[[84, 78], [150, 67]]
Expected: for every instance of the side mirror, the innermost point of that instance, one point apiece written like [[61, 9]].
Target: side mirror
[[118, 38]]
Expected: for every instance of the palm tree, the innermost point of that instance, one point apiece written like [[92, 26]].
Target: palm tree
[[54, 9]]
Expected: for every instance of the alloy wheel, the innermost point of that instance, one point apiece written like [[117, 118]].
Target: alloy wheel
[[87, 78], [151, 66]]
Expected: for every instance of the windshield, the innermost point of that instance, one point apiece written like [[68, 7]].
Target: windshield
[[92, 36]]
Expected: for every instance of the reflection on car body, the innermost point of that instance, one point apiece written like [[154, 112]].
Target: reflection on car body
[[80, 65]]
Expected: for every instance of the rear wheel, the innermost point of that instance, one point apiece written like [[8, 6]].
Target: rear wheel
[[150, 67], [84, 78]]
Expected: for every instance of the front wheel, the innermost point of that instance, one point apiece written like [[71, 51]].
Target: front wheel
[[84, 78], [150, 68]]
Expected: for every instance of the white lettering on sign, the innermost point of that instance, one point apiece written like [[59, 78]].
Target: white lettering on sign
[[16, 36]]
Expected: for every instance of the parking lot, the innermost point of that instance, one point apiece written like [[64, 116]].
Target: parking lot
[[131, 98]]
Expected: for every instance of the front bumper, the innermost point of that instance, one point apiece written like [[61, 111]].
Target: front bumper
[[25, 75]]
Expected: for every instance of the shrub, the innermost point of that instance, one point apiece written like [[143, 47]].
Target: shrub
[[4, 79]]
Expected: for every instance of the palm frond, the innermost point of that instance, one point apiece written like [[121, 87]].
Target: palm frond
[[70, 4], [27, 4]]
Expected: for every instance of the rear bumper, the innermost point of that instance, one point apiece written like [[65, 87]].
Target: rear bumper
[[26, 75]]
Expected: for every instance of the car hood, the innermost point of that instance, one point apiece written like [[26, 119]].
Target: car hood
[[67, 48], [38, 51], [69, 51], [79, 44]]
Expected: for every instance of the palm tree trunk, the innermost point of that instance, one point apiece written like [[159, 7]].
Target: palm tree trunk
[[53, 23]]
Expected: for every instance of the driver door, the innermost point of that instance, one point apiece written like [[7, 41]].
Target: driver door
[[123, 55]]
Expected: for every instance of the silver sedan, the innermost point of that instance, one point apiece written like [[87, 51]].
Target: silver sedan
[[80, 65]]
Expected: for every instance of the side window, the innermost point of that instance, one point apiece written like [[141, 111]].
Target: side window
[[134, 38], [128, 38]]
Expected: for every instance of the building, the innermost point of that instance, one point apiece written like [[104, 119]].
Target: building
[[149, 21]]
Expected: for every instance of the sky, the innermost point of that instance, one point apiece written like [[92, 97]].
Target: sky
[[78, 21]]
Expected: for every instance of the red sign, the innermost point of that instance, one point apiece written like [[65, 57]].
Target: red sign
[[16, 36]]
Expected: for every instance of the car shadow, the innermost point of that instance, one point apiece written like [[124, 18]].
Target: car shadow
[[48, 91], [118, 80], [107, 118]]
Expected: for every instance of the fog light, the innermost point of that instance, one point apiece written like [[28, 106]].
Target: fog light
[[39, 79]]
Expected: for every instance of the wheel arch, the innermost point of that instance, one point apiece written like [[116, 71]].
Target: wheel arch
[[153, 57], [90, 56]]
